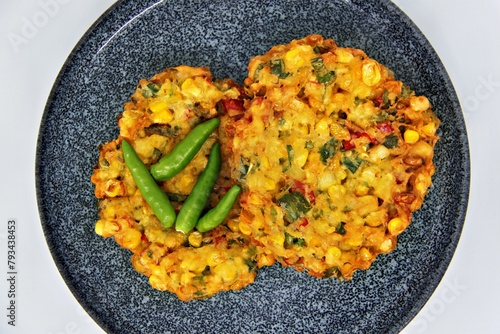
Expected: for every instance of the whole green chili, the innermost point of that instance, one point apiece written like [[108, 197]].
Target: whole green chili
[[216, 215], [175, 161], [197, 199], [150, 191]]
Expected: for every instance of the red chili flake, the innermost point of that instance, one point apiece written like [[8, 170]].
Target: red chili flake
[[303, 222], [220, 240], [367, 136], [348, 145], [233, 104], [304, 190], [385, 127]]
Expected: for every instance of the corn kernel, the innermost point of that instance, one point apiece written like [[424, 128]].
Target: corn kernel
[[419, 103], [297, 57], [361, 190], [422, 182], [157, 106], [422, 149], [340, 174], [195, 238], [269, 184], [191, 264], [365, 254], [186, 278], [255, 199], [114, 188], [332, 255], [266, 260], [396, 226], [355, 240], [277, 238], [265, 162], [347, 267], [301, 157], [157, 283], [336, 191], [326, 180], [131, 239], [429, 129], [226, 271], [186, 181], [376, 218], [322, 127], [215, 258], [343, 56], [386, 246], [162, 117], [411, 136], [304, 129], [99, 227], [245, 228], [292, 56], [379, 153], [190, 88], [233, 225], [370, 72]]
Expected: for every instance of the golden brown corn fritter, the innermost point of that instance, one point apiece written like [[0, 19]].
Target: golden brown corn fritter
[[333, 155], [160, 113]]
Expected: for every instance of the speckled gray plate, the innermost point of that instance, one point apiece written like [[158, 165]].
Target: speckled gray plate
[[131, 41]]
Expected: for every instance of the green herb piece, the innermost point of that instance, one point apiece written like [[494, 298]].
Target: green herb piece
[[291, 241], [278, 68], [150, 90], [257, 71], [295, 205], [406, 91], [391, 141], [340, 229], [309, 144], [291, 153], [385, 99], [332, 272], [328, 150], [352, 164], [358, 101], [323, 75]]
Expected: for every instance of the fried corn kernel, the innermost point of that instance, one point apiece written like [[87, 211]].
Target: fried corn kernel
[[411, 136], [332, 255], [370, 73], [195, 239], [419, 103], [396, 226], [429, 129]]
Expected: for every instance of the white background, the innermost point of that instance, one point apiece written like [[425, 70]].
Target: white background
[[464, 33]]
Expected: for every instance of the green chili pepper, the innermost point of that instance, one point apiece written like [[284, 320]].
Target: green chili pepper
[[150, 191], [216, 215], [196, 201], [174, 162]]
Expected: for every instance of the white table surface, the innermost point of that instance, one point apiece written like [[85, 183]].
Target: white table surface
[[464, 34]]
